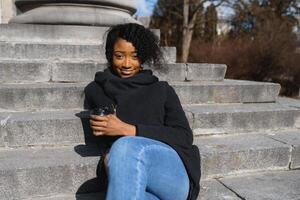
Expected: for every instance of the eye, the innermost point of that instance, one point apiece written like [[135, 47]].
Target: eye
[[118, 56], [135, 57]]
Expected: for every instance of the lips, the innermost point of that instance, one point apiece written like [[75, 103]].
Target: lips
[[126, 71]]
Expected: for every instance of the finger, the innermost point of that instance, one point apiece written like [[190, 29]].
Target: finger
[[98, 133], [98, 118], [98, 128], [98, 123], [112, 116]]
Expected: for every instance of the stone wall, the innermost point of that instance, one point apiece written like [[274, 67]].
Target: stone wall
[[7, 11]]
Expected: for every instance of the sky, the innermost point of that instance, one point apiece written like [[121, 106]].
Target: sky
[[145, 7]]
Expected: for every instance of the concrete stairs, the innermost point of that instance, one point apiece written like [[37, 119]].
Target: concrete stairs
[[243, 130]]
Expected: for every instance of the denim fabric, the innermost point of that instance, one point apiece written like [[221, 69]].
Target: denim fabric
[[140, 168]]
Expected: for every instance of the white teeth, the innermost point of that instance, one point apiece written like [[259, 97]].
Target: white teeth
[[127, 71]]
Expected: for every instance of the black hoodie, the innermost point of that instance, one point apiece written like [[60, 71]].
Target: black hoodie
[[154, 108]]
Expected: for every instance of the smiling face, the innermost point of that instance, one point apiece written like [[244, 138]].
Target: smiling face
[[125, 61]]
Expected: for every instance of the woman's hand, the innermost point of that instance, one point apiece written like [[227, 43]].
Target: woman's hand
[[110, 125]]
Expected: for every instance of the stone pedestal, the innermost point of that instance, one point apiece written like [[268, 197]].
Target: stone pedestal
[[1, 7], [75, 12], [7, 11]]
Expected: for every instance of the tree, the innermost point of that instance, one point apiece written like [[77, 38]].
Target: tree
[[191, 9], [167, 18], [211, 21], [262, 45], [253, 15], [177, 20]]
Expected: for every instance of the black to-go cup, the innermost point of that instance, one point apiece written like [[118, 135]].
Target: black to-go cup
[[101, 111]]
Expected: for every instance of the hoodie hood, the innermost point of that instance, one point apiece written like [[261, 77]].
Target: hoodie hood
[[113, 85]]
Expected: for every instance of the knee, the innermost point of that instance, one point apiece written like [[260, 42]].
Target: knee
[[123, 148]]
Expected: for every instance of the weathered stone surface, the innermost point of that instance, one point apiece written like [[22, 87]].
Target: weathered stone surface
[[75, 14], [276, 185], [42, 128], [169, 54], [14, 71], [292, 138], [52, 51], [43, 171], [42, 96], [125, 4], [59, 127], [227, 91], [7, 11], [210, 190], [75, 72], [69, 52], [170, 72], [45, 96], [209, 72], [43, 71], [54, 34], [225, 155], [96, 12], [45, 128], [289, 102], [233, 118], [8, 185], [90, 196], [213, 190]]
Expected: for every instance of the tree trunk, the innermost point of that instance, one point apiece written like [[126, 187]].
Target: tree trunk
[[188, 30], [186, 43], [184, 53]]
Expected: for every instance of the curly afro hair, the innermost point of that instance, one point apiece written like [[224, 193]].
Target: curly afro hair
[[145, 42]]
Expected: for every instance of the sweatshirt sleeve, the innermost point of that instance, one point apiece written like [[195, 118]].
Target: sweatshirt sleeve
[[176, 130]]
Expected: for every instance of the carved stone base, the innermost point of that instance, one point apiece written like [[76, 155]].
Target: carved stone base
[[72, 12]]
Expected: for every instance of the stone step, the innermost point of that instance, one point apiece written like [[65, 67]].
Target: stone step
[[54, 34], [210, 190], [214, 190], [237, 154], [69, 52], [70, 196], [68, 127], [234, 118], [47, 96], [271, 185], [26, 173], [28, 71], [227, 91]]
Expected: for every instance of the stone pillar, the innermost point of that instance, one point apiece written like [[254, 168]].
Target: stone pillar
[[7, 11], [75, 12], [1, 12]]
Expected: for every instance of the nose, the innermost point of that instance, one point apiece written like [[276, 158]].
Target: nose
[[126, 63]]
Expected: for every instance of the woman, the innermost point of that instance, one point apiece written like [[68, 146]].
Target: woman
[[149, 152]]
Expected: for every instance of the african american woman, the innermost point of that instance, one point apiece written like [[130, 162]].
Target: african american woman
[[149, 153]]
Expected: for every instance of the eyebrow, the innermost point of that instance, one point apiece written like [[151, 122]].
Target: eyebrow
[[124, 52]]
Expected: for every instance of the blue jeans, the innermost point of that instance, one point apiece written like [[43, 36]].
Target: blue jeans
[[140, 168]]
